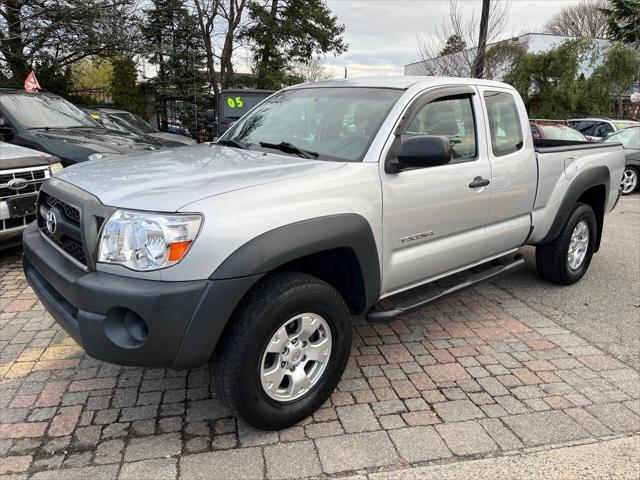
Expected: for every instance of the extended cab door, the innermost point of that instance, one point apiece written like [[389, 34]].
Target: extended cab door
[[514, 169], [434, 218]]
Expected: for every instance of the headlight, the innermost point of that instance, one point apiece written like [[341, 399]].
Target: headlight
[[55, 167], [100, 155], [147, 241]]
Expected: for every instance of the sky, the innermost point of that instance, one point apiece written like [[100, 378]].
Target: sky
[[382, 34]]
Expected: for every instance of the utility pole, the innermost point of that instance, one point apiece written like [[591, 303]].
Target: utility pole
[[477, 70], [345, 72]]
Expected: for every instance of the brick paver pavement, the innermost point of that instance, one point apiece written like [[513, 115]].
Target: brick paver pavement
[[479, 374]]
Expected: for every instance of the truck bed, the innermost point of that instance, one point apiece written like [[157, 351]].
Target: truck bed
[[559, 162], [547, 145]]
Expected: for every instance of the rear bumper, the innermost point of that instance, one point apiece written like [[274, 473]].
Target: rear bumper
[[130, 321]]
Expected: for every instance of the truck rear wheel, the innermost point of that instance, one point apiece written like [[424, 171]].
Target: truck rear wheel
[[284, 352], [566, 259]]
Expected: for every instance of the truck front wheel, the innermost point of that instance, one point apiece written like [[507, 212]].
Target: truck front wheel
[[566, 259], [284, 351]]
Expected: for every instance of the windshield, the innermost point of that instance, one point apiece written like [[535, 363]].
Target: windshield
[[45, 111], [135, 123], [629, 138], [558, 132], [235, 105], [620, 124], [335, 123]]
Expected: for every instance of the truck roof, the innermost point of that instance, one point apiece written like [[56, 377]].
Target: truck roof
[[402, 82]]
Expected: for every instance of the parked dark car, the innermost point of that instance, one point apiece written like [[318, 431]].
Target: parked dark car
[[555, 130], [630, 140], [123, 121], [51, 124], [233, 104]]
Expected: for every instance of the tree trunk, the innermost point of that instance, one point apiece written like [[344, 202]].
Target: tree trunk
[[477, 71], [13, 47], [206, 31]]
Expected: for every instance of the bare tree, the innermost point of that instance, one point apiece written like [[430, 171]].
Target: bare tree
[[58, 33], [220, 26], [313, 71], [466, 31], [584, 19]]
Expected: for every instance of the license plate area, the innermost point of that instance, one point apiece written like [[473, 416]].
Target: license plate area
[[22, 206]]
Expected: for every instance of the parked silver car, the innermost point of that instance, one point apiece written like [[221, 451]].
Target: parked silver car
[[255, 254]]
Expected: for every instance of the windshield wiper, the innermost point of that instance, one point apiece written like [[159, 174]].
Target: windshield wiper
[[232, 143], [290, 148]]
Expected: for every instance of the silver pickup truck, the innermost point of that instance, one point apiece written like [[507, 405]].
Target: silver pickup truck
[[326, 201]]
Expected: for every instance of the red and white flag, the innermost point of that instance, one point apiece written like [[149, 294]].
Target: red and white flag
[[31, 83]]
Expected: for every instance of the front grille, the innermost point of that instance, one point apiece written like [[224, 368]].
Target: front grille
[[9, 223], [68, 235], [34, 177], [71, 213]]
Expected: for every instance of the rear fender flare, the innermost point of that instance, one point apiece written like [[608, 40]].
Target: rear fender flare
[[597, 176]]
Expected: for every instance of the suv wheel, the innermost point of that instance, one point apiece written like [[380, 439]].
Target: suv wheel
[[566, 259], [284, 351], [629, 180]]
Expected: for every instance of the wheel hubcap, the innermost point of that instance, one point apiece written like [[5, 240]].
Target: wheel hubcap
[[578, 245], [296, 357], [629, 181]]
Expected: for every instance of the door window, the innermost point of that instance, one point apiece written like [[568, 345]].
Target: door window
[[504, 123], [451, 117], [602, 130]]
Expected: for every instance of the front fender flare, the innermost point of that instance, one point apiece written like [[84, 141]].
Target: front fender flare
[[282, 245]]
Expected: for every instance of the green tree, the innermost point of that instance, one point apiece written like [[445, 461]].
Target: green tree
[[125, 90], [92, 73], [624, 21], [284, 33], [178, 52], [454, 44], [553, 85]]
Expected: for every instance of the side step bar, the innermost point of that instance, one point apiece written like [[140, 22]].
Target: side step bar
[[377, 316]]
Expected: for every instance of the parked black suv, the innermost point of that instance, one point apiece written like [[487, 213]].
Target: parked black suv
[[51, 124]]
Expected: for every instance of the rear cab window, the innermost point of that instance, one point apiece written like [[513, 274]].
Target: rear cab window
[[504, 123]]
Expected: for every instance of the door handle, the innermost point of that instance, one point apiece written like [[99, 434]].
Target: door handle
[[479, 182]]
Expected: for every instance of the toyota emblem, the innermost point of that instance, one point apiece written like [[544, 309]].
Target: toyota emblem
[[52, 222]]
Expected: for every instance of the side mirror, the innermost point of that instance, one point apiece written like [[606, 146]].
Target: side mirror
[[422, 151], [210, 115], [6, 132]]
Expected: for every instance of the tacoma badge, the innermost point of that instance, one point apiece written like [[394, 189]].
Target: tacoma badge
[[417, 236]]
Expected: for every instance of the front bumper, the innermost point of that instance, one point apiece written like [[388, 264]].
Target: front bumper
[[131, 321]]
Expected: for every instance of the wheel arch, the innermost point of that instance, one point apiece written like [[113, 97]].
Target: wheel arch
[[589, 187], [338, 249]]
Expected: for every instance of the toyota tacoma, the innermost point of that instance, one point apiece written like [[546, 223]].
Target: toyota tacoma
[[325, 202]]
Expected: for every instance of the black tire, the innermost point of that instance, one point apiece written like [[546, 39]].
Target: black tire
[[235, 366], [551, 258]]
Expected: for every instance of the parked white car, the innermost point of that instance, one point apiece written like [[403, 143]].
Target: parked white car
[[22, 172]]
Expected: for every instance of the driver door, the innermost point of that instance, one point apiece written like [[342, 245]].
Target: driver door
[[434, 217]]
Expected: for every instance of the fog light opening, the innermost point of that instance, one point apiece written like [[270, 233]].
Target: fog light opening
[[125, 328]]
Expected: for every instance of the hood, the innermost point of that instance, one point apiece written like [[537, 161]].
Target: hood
[[172, 179], [15, 156], [171, 139], [100, 139]]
